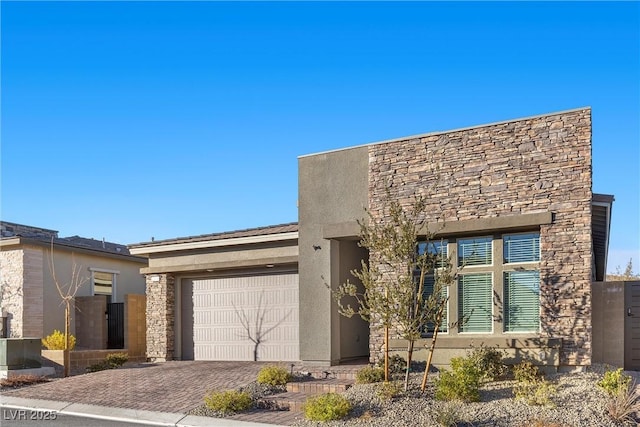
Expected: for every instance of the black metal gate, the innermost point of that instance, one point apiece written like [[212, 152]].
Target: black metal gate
[[115, 325]]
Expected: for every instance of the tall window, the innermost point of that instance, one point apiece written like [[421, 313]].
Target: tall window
[[522, 284], [439, 249], [475, 284]]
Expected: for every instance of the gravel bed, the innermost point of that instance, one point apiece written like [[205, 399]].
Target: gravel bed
[[579, 403]]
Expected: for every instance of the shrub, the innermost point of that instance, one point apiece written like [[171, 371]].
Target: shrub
[[447, 415], [55, 341], [614, 381], [111, 361], [369, 374], [624, 405], [489, 361], [397, 364], [461, 383], [115, 360], [388, 390], [229, 401], [531, 386], [526, 371], [326, 407], [273, 375]]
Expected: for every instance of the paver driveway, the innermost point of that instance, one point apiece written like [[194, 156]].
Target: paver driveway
[[175, 386]]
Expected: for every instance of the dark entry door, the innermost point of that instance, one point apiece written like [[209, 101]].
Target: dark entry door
[[632, 326], [115, 325]]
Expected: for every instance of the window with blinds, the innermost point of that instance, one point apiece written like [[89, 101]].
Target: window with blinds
[[438, 248], [521, 247], [476, 251], [521, 301], [475, 302], [429, 285]]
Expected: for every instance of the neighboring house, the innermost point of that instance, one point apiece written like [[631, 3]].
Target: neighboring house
[[513, 202], [30, 298]]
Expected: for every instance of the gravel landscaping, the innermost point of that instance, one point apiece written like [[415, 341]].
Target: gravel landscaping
[[578, 402]]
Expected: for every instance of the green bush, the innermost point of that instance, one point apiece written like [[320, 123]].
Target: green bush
[[461, 383], [273, 375], [326, 407], [369, 374], [447, 415], [613, 381], [526, 371], [111, 361], [388, 390], [229, 401], [397, 364], [531, 386], [489, 361], [115, 360], [55, 341]]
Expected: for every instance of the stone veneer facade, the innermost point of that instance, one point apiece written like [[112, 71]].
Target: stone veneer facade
[[21, 281], [534, 165], [160, 316]]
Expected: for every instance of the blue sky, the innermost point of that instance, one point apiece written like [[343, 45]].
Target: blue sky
[[127, 120]]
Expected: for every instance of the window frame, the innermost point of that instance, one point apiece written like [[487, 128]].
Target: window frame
[[498, 269], [114, 281]]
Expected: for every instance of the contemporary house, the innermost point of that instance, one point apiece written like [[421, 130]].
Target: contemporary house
[[512, 202], [30, 301]]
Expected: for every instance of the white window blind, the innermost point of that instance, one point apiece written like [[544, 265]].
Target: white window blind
[[475, 251], [521, 247], [522, 301], [475, 302]]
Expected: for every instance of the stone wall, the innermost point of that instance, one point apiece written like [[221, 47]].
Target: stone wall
[[160, 315], [539, 164], [11, 275], [21, 279]]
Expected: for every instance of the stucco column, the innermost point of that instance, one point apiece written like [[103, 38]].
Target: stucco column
[[160, 316]]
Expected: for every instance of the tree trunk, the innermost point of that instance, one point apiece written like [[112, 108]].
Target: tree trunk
[[255, 351], [409, 357], [432, 348], [386, 354], [67, 327]]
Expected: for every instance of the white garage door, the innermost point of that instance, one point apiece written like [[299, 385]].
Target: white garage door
[[227, 310]]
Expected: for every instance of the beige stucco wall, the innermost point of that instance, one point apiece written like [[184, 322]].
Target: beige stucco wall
[[30, 295], [128, 281], [332, 189]]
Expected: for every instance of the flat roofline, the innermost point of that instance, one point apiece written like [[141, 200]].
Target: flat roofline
[[440, 132], [214, 243]]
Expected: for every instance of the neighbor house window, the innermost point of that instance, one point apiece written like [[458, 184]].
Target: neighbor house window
[[103, 282]]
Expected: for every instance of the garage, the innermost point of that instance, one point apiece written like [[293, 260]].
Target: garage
[[223, 317]]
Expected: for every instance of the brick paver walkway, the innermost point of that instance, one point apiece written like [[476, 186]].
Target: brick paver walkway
[[176, 386]]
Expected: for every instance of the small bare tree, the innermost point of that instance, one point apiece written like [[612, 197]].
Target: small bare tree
[[393, 282], [254, 329], [67, 291]]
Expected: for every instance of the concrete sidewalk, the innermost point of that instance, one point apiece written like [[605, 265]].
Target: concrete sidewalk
[[123, 414]]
